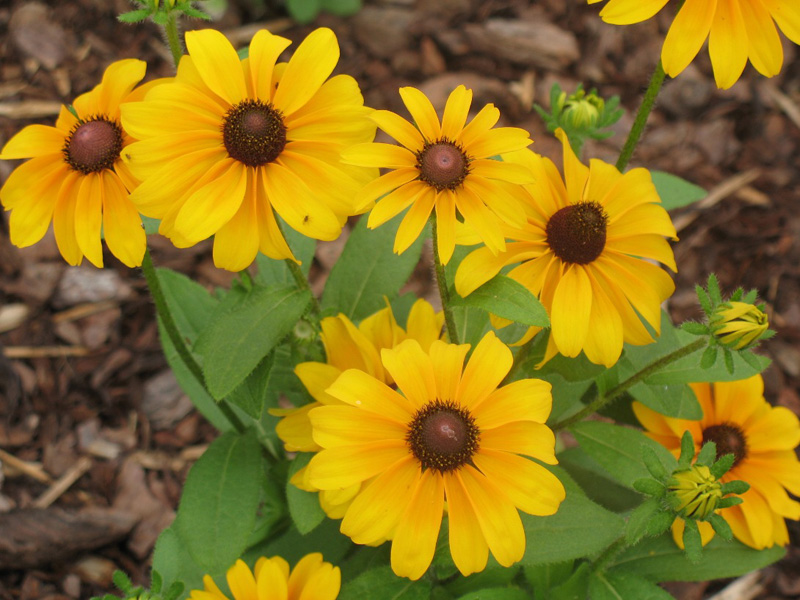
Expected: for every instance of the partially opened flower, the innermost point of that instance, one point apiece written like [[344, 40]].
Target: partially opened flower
[[762, 439], [76, 178], [444, 166], [230, 140], [447, 434], [737, 30], [349, 347], [271, 579], [583, 252]]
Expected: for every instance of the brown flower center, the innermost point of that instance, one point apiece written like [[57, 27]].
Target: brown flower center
[[577, 233], [729, 439], [443, 165], [93, 145], [254, 133], [443, 436]]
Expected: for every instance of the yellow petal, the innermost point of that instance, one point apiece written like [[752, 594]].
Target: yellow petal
[[765, 49], [447, 361], [64, 219], [455, 112], [236, 243], [34, 140], [265, 48], [498, 141], [119, 79], [310, 65], [217, 63], [480, 124], [323, 584], [270, 238], [478, 267], [346, 425], [530, 487], [412, 370], [497, 169], [338, 468], [422, 112], [687, 34], [89, 218], [415, 220], [379, 155], [414, 540], [241, 581], [489, 364], [398, 200], [446, 224], [294, 429], [270, 580], [424, 325], [575, 172], [726, 44], [467, 545], [649, 246], [787, 16], [400, 129], [627, 12], [521, 400], [213, 204], [603, 344], [572, 306], [481, 219], [521, 437], [739, 401], [122, 226], [359, 389]]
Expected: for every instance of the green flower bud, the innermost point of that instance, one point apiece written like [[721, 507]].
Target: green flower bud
[[694, 492], [738, 325]]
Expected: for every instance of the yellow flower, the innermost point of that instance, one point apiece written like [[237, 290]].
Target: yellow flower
[[738, 325], [447, 166], [737, 30], [582, 252], [230, 140], [761, 437], [311, 579], [696, 492], [75, 177], [349, 347], [448, 434]]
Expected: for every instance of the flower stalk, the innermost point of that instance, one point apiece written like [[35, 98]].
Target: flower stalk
[[639, 123], [441, 281]]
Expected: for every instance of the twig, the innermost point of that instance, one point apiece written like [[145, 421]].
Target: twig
[[30, 109], [63, 483], [45, 351], [717, 193], [31, 469], [83, 310]]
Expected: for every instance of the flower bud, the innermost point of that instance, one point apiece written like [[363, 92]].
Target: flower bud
[[694, 492], [738, 325]]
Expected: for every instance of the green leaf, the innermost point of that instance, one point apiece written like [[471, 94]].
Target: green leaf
[[493, 576], [172, 561], [678, 400], [619, 450], [504, 297], [659, 559], [303, 11], [384, 584], [243, 331], [579, 528], [251, 394], [497, 593], [293, 546], [134, 16], [219, 501], [575, 588], [471, 324], [303, 506], [546, 577], [617, 586], [676, 192], [342, 8], [368, 270], [596, 482], [275, 272]]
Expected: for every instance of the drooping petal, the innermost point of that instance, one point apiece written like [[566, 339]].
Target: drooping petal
[[787, 15], [572, 307], [446, 224], [64, 219], [686, 35], [89, 218], [765, 49], [398, 200], [236, 243], [467, 544], [415, 220], [122, 226], [217, 63], [726, 43]]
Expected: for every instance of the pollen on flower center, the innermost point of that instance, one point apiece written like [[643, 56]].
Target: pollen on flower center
[[729, 439], [442, 165], [443, 436], [254, 133], [577, 233], [93, 145]]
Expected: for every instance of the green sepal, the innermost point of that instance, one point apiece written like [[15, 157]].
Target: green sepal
[[707, 455], [737, 487], [123, 583], [660, 523], [692, 542], [710, 357], [750, 358], [652, 462], [721, 527], [713, 289], [187, 9], [723, 465], [728, 502], [651, 487], [694, 327], [134, 16], [687, 450], [705, 301], [160, 18], [728, 360]]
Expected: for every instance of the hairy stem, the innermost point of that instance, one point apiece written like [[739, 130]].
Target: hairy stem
[[173, 38], [441, 280], [639, 123]]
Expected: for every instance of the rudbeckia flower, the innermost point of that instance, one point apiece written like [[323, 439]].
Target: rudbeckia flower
[[76, 178], [311, 579], [447, 434], [229, 140], [582, 252], [349, 347], [444, 166], [762, 439], [737, 30]]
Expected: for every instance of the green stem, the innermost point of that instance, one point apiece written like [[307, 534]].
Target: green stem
[[609, 553], [441, 280], [641, 117], [167, 320], [173, 38], [614, 393], [302, 282]]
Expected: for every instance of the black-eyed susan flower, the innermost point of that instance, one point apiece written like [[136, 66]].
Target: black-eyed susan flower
[[738, 325], [447, 434], [271, 579], [230, 140], [349, 347], [762, 439], [736, 30], [582, 251], [444, 166], [75, 177]]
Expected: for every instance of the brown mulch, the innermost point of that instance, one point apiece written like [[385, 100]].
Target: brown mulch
[[94, 431]]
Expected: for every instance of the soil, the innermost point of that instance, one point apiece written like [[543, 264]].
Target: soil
[[92, 420]]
